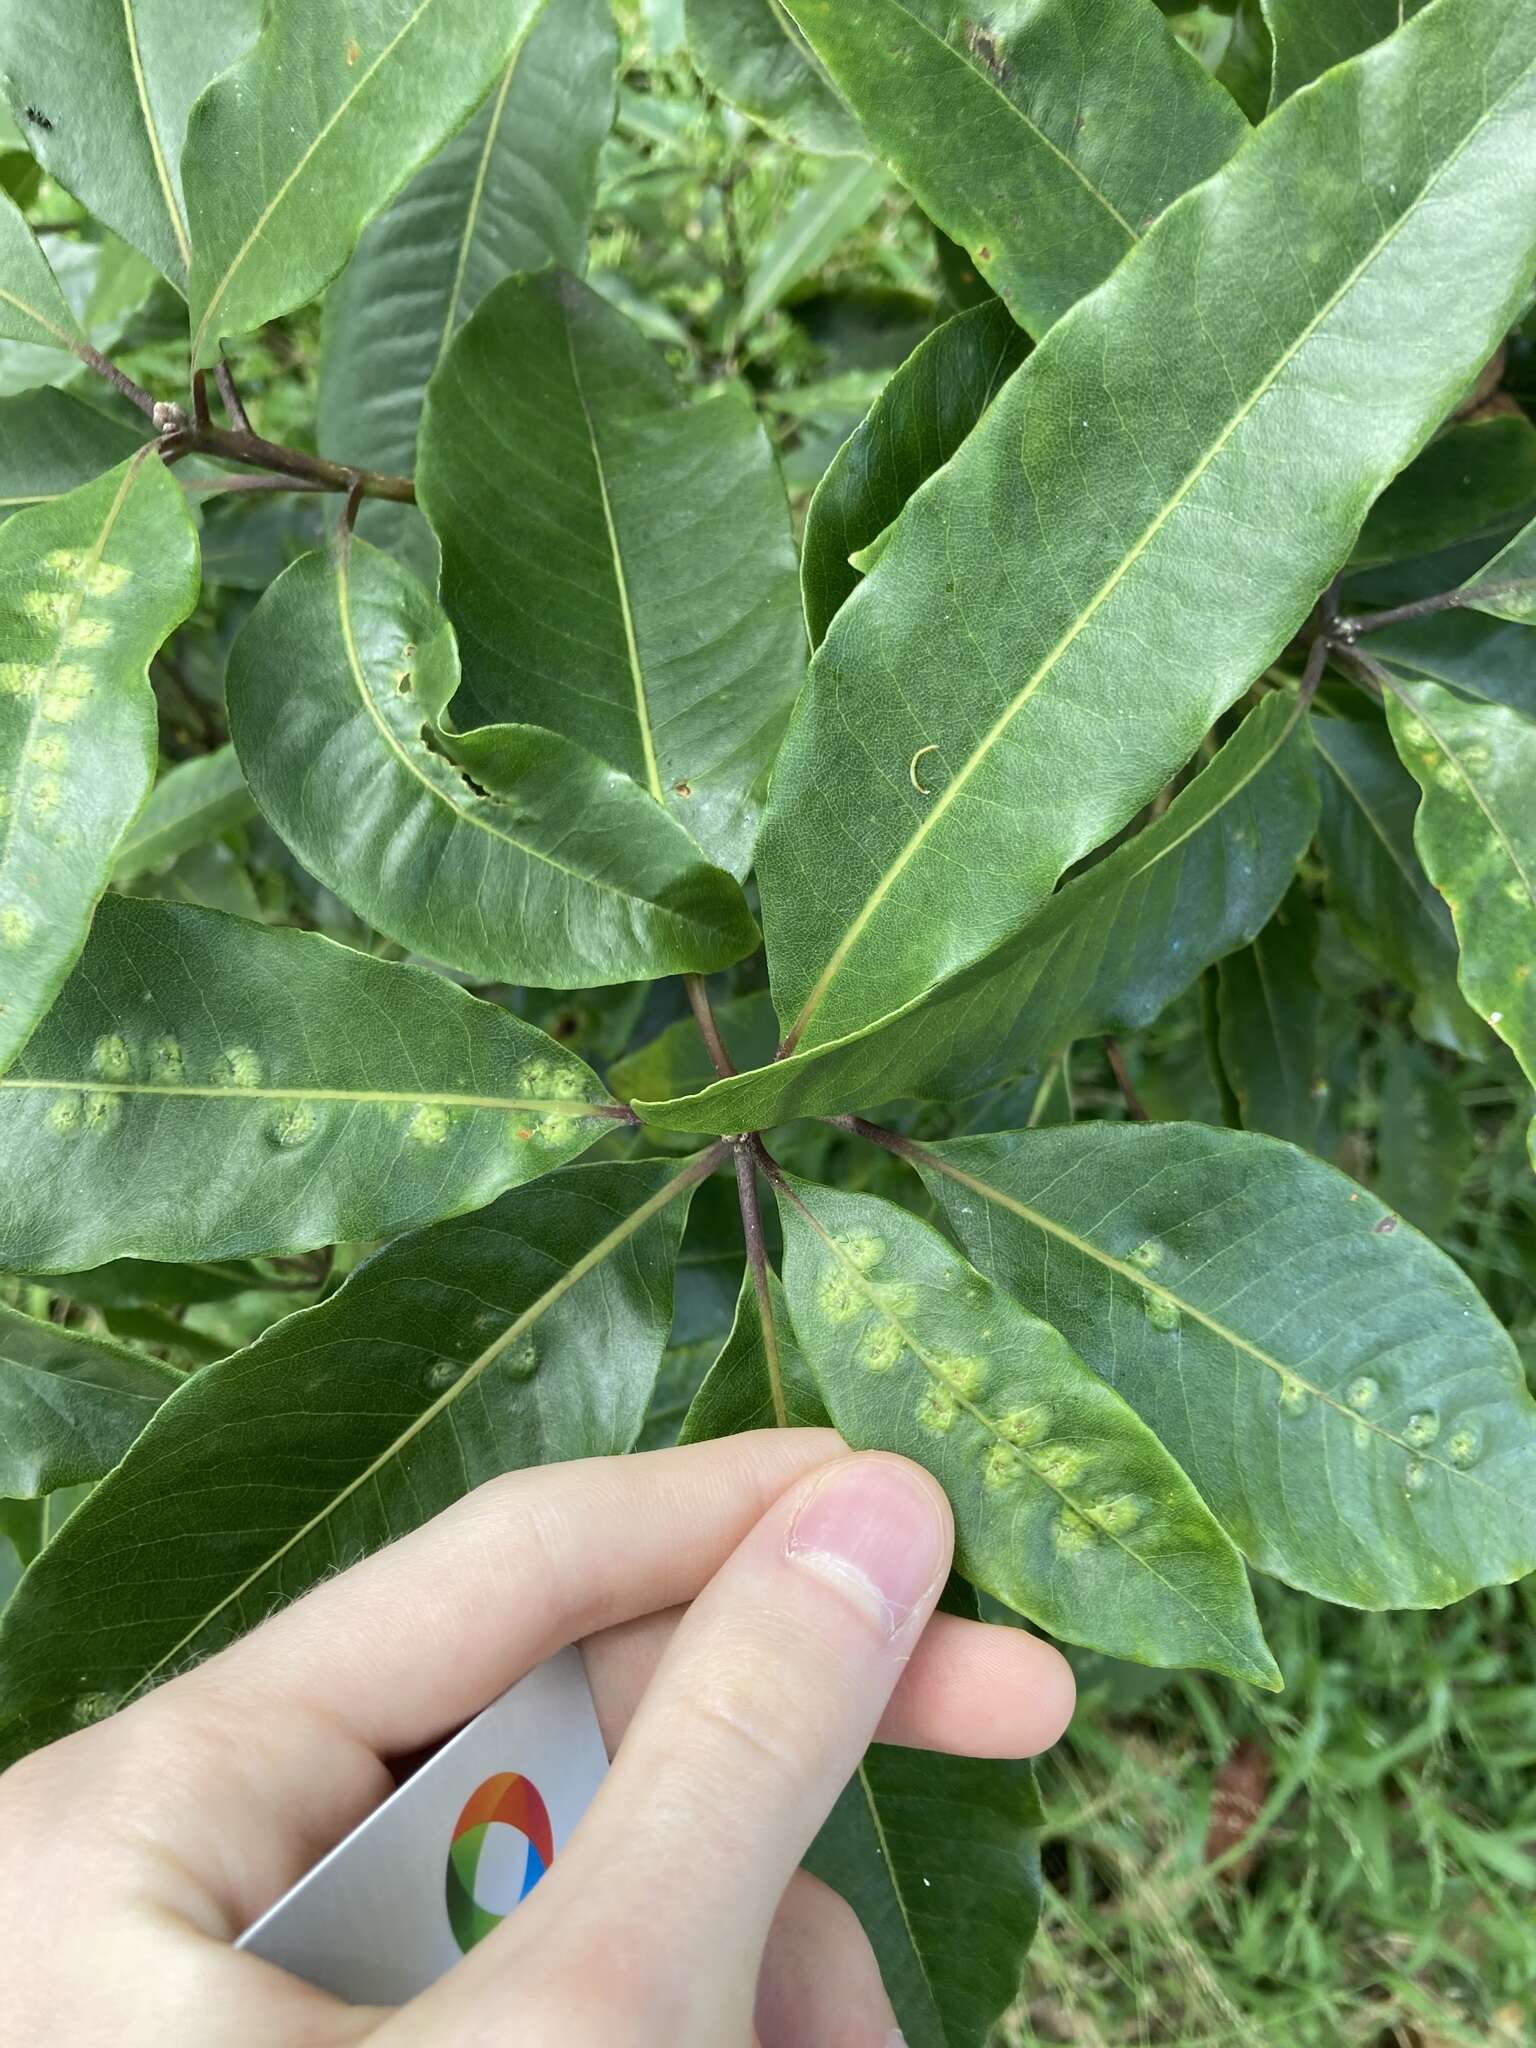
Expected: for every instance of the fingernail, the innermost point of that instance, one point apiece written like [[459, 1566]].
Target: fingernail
[[895, 2039], [875, 1531]]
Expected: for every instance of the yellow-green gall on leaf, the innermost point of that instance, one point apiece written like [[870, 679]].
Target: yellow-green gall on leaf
[[16, 925], [165, 1061], [67, 1115], [967, 1376], [111, 1059], [1363, 1393], [937, 1410], [1001, 1467], [294, 1124], [1072, 1532], [862, 1250], [838, 1293], [1027, 1425], [1120, 1515], [238, 1067], [429, 1123], [1060, 1465], [881, 1345]]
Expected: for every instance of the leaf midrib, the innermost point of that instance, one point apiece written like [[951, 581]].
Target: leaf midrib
[[1144, 1283], [888, 1863], [321, 135], [162, 171], [605, 1246], [567, 1106], [1144, 540]]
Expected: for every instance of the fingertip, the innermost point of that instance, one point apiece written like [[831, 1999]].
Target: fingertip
[[878, 1529]]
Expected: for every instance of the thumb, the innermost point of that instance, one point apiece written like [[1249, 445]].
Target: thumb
[[758, 1715]]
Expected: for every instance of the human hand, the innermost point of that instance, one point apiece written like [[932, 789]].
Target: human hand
[[751, 1616]]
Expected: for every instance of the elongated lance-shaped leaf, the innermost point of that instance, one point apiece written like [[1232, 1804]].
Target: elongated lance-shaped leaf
[[1506, 588], [737, 1392], [1044, 139], [751, 53], [70, 1405], [1375, 882], [1476, 835], [512, 191], [1107, 953], [32, 307], [912, 429], [519, 1336], [192, 802], [90, 586], [293, 151], [1059, 667], [1268, 1005], [104, 88], [510, 852], [52, 442], [1066, 1505], [936, 1854], [1311, 36], [1333, 1384], [825, 214], [206, 1086], [665, 633], [1477, 477]]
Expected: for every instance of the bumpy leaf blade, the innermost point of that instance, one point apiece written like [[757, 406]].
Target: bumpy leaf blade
[[1045, 144], [1476, 834], [936, 1855], [206, 1086], [114, 82], [543, 865], [52, 442], [1107, 953], [70, 1405], [32, 308], [291, 153], [1201, 371], [512, 191], [1333, 1384], [1310, 36], [665, 635], [90, 586], [192, 802], [912, 429], [1066, 1506], [524, 1334], [752, 54]]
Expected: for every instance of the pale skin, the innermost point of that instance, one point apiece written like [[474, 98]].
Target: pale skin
[[751, 1613]]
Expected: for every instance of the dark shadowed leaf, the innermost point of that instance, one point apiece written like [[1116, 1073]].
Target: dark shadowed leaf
[[51, 442], [1476, 478], [70, 1405], [616, 557], [1310, 36], [519, 1336], [192, 802], [752, 54], [1268, 1006], [737, 1391], [1424, 1141]]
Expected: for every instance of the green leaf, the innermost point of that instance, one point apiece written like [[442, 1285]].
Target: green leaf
[[1268, 1005], [1482, 657], [519, 1336], [1108, 952], [292, 152], [751, 53], [1201, 371], [1384, 901], [1476, 835], [676, 1061], [114, 81], [737, 1391], [936, 1855], [666, 635], [51, 442], [825, 214], [545, 865], [70, 1405], [192, 802], [1473, 479], [912, 429], [1332, 1383], [1066, 1506], [512, 191], [206, 1086], [90, 586], [146, 1283], [1311, 36], [1510, 579], [1045, 143], [1424, 1142], [32, 308]]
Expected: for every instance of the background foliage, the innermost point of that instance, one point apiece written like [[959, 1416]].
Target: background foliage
[[1350, 1860]]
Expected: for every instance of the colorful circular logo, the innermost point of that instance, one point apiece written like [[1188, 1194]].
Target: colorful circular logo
[[508, 1800]]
